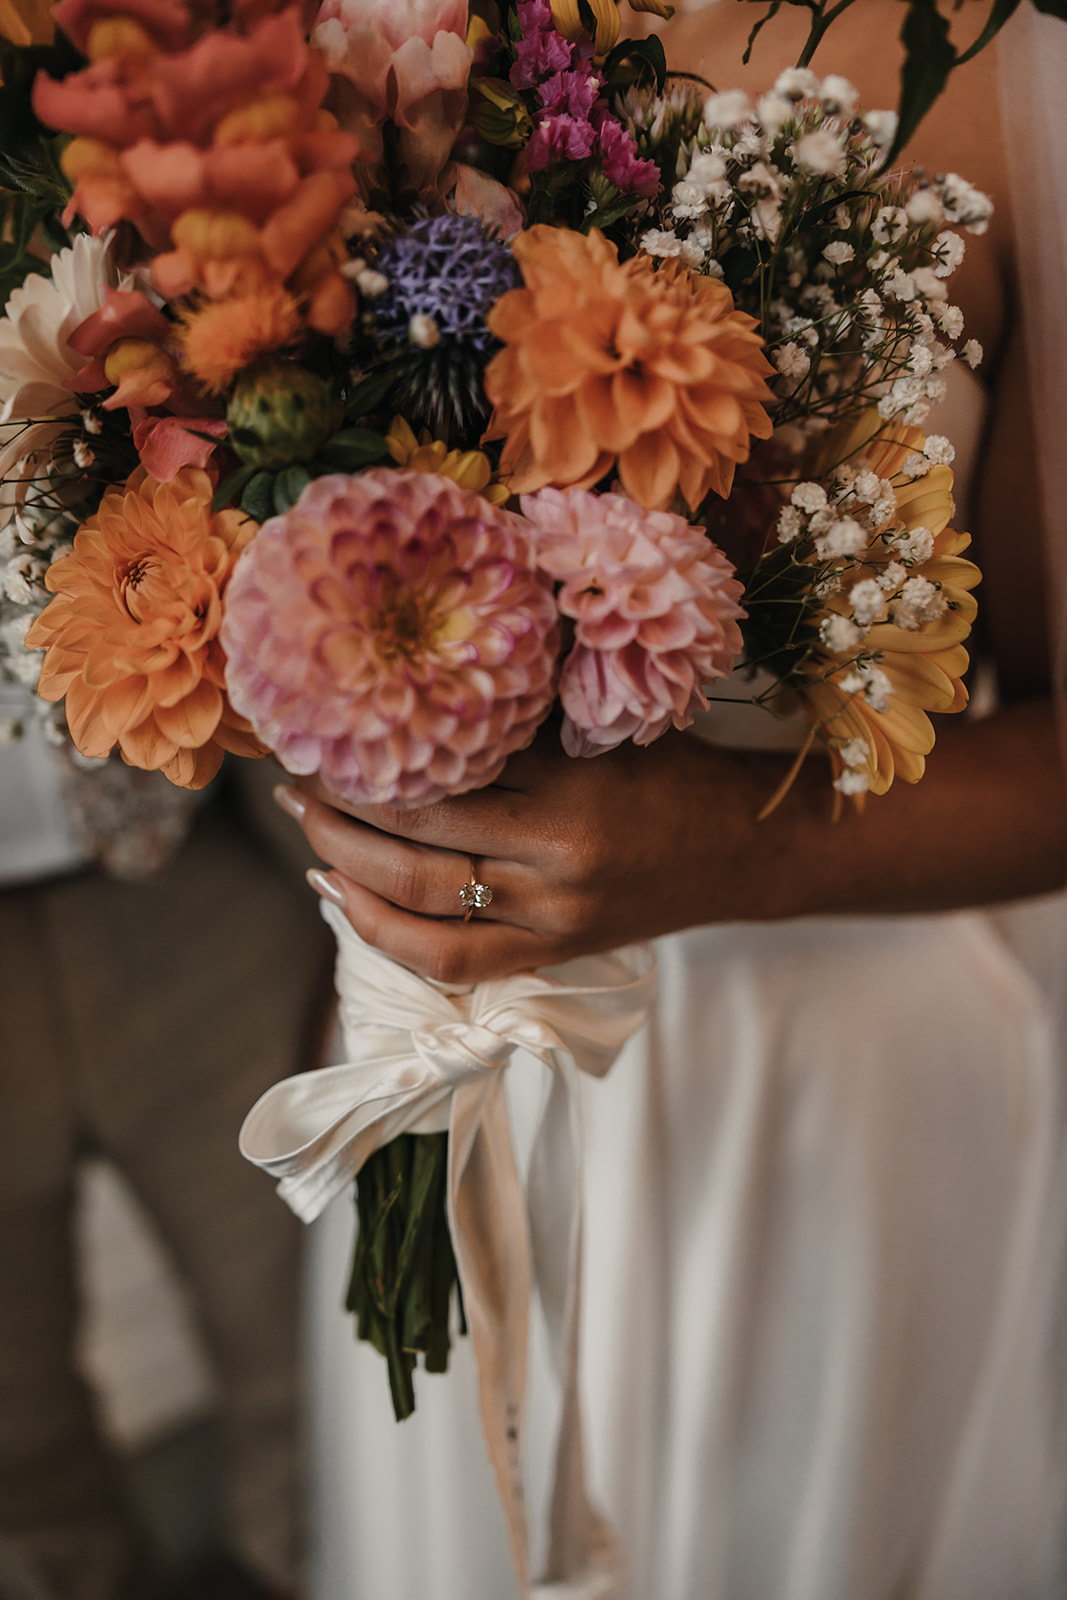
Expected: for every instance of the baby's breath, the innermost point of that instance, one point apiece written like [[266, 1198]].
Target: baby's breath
[[844, 264]]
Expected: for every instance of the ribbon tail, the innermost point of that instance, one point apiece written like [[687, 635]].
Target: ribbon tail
[[487, 1215], [585, 1560]]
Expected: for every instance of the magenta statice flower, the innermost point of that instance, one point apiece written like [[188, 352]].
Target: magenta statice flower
[[560, 137], [655, 607], [390, 632], [620, 162], [573, 92], [542, 49]]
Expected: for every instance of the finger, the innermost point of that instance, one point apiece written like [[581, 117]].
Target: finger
[[448, 952], [486, 822], [413, 876]]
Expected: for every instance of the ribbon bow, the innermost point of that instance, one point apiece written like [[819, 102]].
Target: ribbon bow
[[424, 1059]]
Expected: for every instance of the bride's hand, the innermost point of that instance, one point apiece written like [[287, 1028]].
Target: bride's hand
[[586, 855], [581, 856]]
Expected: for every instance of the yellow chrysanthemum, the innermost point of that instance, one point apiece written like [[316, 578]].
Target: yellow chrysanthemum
[[567, 16], [469, 468], [871, 707]]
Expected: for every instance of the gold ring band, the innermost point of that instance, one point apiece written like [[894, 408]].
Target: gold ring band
[[474, 896]]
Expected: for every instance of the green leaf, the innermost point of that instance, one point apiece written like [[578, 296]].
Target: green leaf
[[928, 59], [350, 450], [647, 51], [230, 488], [605, 215], [289, 485], [369, 393], [998, 16], [258, 496], [757, 27]]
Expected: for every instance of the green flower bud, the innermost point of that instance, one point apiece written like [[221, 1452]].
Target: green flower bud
[[279, 413], [497, 113]]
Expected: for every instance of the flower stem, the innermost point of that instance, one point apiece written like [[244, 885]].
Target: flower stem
[[403, 1266]]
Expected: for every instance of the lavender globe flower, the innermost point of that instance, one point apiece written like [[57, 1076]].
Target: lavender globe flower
[[445, 275]]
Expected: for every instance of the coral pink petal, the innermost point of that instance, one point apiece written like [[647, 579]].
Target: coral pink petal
[[164, 444], [391, 632], [125, 314]]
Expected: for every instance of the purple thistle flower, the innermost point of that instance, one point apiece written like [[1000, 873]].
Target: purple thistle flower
[[449, 269]]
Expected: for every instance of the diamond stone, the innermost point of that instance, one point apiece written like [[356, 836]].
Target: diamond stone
[[475, 896]]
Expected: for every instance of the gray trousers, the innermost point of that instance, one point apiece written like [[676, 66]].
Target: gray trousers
[[143, 1020]]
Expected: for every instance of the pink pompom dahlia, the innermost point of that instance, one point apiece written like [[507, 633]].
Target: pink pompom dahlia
[[655, 608], [390, 632]]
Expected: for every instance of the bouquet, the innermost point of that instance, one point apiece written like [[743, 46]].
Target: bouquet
[[373, 388]]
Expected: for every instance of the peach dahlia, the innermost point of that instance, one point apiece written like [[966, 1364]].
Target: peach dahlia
[[132, 636], [610, 364], [390, 632]]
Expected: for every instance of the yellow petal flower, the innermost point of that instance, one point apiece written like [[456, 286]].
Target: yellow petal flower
[[924, 665], [657, 8], [567, 17], [478, 31], [471, 469], [26, 22]]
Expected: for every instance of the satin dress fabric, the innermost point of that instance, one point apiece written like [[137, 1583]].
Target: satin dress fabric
[[821, 1211], [822, 1273]]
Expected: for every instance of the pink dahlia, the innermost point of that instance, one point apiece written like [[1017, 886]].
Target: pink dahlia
[[390, 632], [655, 608]]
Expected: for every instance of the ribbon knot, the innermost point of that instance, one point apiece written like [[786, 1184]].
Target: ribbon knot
[[421, 1060], [461, 1052]]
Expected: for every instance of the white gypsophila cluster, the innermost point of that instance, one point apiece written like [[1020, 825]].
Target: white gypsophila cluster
[[857, 567], [844, 265], [35, 535], [854, 755]]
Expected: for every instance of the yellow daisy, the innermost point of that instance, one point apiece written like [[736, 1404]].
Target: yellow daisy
[[884, 663]]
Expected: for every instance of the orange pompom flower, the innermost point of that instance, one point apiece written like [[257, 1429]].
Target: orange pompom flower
[[617, 364], [131, 638], [220, 338]]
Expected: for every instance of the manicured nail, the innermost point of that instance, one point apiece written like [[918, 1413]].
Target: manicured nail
[[325, 886], [290, 800]]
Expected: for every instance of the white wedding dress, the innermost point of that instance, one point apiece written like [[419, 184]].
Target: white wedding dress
[[823, 1228], [816, 1321], [822, 1331]]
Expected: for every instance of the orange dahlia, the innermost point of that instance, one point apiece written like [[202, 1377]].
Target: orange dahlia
[[621, 364], [131, 638], [892, 634]]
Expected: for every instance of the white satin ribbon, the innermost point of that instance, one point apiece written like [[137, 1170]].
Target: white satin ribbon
[[423, 1058]]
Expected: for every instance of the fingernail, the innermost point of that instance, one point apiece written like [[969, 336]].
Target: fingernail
[[325, 886], [290, 800]]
